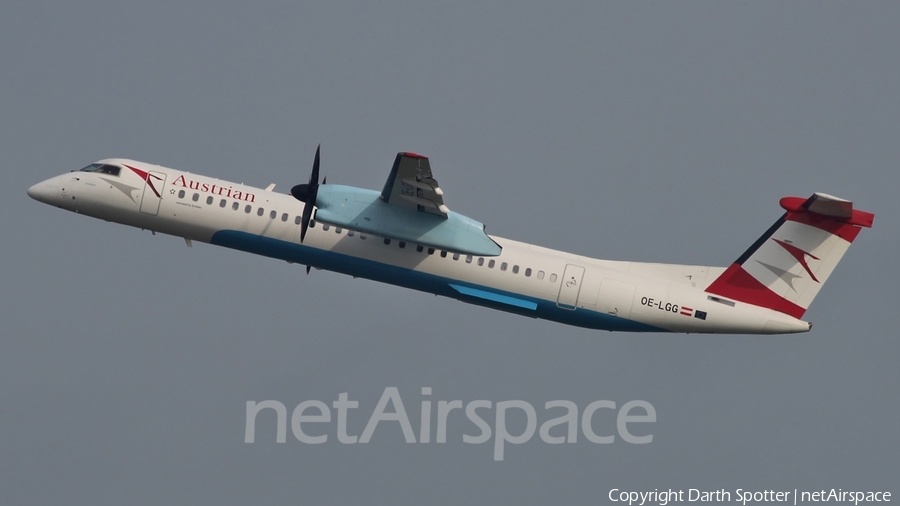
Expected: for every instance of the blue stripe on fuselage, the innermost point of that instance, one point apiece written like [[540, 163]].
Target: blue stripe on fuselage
[[416, 280], [494, 297]]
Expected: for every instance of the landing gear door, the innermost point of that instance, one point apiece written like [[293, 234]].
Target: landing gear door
[[570, 287], [152, 195]]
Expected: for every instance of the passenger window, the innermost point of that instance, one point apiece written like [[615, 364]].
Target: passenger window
[[349, 233], [222, 203], [420, 248], [528, 272], [235, 206], [480, 261], [298, 219], [312, 223], [456, 256], [209, 200], [325, 226], [553, 278], [402, 244], [540, 275], [491, 264], [503, 266], [515, 269], [181, 194], [431, 251], [248, 209], [273, 214], [196, 197], [443, 254], [338, 230], [260, 211], [284, 217], [387, 241], [468, 259], [362, 236]]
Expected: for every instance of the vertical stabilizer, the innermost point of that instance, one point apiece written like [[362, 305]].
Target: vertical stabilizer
[[785, 268]]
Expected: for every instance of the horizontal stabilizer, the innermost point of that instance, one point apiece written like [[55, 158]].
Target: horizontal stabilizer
[[829, 206]]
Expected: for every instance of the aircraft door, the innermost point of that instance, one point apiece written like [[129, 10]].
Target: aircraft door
[[152, 195], [570, 287], [615, 298]]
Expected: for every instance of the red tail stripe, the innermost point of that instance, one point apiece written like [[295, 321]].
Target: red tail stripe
[[736, 283], [843, 230]]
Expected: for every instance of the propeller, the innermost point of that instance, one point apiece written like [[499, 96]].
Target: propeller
[[307, 193]]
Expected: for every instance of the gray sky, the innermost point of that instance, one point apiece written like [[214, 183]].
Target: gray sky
[[643, 131]]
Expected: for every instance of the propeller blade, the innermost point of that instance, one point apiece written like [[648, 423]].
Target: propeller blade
[[304, 221], [314, 176], [307, 194]]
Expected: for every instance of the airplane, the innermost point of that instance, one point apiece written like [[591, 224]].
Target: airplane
[[406, 235]]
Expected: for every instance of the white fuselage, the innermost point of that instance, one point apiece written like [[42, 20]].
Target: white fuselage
[[524, 279]]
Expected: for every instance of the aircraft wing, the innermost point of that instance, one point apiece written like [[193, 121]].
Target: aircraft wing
[[412, 186], [409, 209]]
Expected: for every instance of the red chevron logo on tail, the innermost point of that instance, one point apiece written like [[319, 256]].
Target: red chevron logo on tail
[[800, 255]]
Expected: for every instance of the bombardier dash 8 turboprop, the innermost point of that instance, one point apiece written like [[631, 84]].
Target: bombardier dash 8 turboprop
[[405, 235]]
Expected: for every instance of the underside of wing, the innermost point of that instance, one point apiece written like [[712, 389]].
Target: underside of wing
[[412, 186]]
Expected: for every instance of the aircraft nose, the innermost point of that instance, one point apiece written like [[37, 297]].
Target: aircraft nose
[[43, 192]]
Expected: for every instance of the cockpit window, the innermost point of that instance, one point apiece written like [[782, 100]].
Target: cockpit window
[[112, 170]]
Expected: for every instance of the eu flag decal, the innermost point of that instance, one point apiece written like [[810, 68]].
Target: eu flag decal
[[700, 314]]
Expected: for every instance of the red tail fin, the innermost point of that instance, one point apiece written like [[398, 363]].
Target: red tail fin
[[785, 268]]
